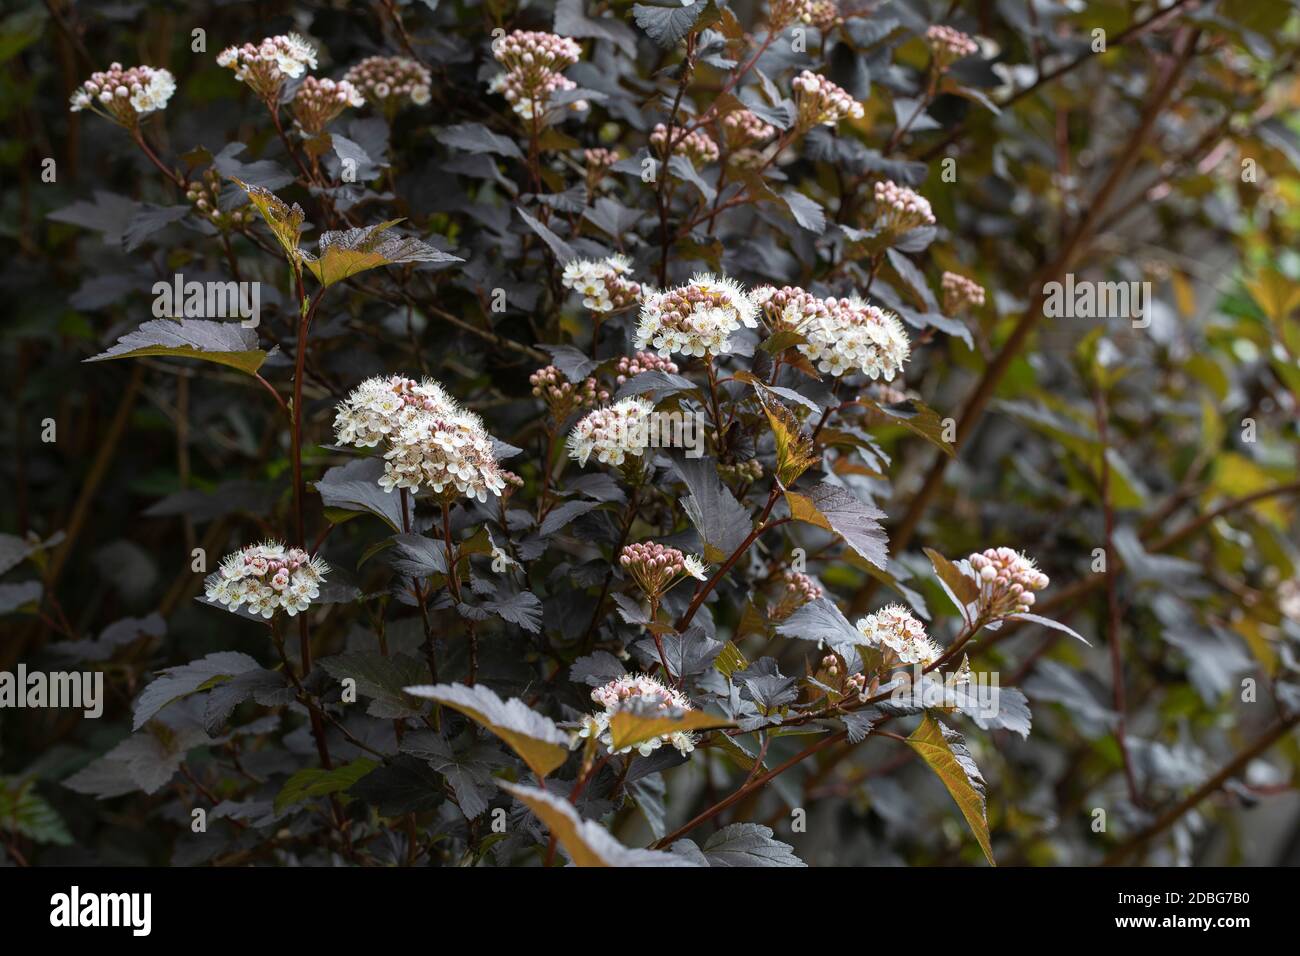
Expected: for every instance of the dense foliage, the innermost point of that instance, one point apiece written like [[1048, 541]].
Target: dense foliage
[[656, 433]]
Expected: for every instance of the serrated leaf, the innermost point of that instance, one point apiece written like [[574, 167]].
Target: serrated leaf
[[285, 221], [381, 679], [835, 509], [174, 682], [667, 25], [821, 621], [723, 522], [533, 736], [225, 343], [748, 844], [945, 752], [586, 842], [346, 253]]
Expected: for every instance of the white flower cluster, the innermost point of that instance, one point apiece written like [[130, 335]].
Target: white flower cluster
[[900, 636], [856, 336], [1007, 581], [614, 432], [960, 293], [697, 318], [642, 691], [390, 82], [842, 335], [604, 285], [948, 45], [124, 96], [265, 66], [899, 209], [819, 101], [533, 62], [432, 442], [267, 577], [318, 102]]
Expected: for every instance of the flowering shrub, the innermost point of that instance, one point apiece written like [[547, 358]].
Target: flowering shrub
[[615, 389]]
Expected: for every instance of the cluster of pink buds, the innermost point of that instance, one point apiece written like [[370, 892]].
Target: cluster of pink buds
[[782, 13], [797, 590], [899, 209], [1007, 580], [631, 365], [597, 161], [205, 191], [563, 397], [821, 102], [533, 62], [265, 66], [391, 82], [124, 96], [947, 45], [656, 568], [825, 14], [831, 666], [960, 293], [743, 128], [317, 103], [697, 145]]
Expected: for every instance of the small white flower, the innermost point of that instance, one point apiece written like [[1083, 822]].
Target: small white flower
[[695, 567]]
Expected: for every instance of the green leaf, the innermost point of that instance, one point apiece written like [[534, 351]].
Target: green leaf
[[944, 750], [285, 221], [730, 659], [586, 842], [317, 782], [351, 251], [917, 418], [533, 736], [225, 343], [794, 449], [629, 728], [25, 812]]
